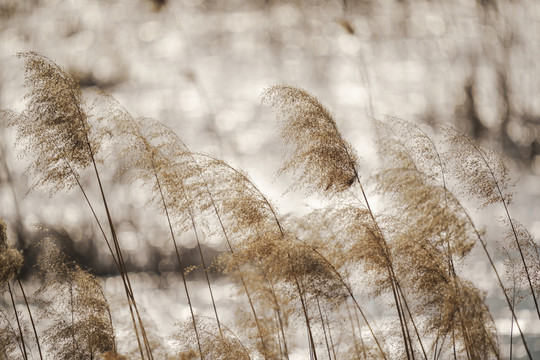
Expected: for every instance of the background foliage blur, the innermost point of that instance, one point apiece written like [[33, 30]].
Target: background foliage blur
[[199, 66]]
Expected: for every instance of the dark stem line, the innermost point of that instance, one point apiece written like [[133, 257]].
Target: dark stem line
[[29, 314], [454, 345], [349, 290], [120, 269], [278, 336], [406, 340], [278, 223], [23, 347], [514, 232], [121, 262], [205, 270], [225, 234], [305, 311], [278, 313], [501, 285], [512, 323], [178, 257], [386, 253], [191, 155], [355, 342], [330, 336], [323, 328], [359, 332], [95, 216], [412, 321]]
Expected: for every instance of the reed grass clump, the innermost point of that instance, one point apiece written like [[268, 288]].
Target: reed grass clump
[[73, 305], [353, 278]]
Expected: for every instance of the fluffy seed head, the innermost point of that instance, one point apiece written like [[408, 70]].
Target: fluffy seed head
[[319, 155]]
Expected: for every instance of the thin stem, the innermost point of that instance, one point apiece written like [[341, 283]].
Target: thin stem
[[386, 253], [330, 337], [353, 333], [323, 327], [278, 336], [499, 281], [225, 234], [305, 311], [120, 269], [359, 332], [514, 232], [29, 314], [278, 312], [178, 257], [512, 323], [349, 290], [123, 271], [205, 271], [23, 347], [118, 266], [121, 262], [412, 321]]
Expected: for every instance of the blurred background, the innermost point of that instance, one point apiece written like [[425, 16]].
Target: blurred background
[[199, 66]]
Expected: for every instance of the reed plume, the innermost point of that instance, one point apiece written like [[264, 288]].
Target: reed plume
[[55, 131], [11, 261], [431, 235], [484, 175], [217, 345], [293, 270], [74, 301], [147, 151], [327, 164], [319, 156]]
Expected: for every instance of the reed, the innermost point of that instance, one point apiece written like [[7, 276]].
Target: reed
[[318, 273]]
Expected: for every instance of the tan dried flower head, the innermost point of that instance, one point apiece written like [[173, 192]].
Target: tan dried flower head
[[481, 173], [53, 130], [214, 345], [424, 209], [513, 262], [3, 235], [11, 260], [420, 148], [347, 237], [79, 322], [154, 155], [10, 338], [246, 213], [319, 155], [467, 309]]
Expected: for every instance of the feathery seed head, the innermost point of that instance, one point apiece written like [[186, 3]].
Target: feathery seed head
[[3, 235], [319, 155], [225, 346], [481, 172], [53, 129], [73, 301], [11, 260]]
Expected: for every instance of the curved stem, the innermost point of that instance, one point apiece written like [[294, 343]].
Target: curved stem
[[29, 314], [178, 257], [323, 327], [499, 281], [22, 345]]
